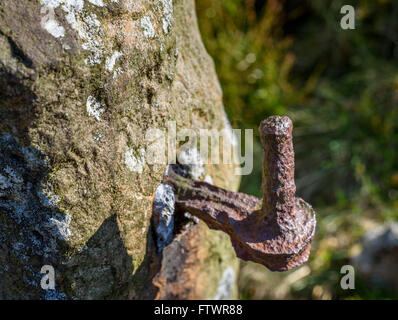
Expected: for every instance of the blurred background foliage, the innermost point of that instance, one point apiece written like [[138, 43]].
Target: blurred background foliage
[[340, 87]]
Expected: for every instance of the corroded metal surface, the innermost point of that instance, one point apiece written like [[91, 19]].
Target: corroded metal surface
[[275, 231]]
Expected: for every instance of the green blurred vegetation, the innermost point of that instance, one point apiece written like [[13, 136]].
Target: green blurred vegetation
[[340, 87]]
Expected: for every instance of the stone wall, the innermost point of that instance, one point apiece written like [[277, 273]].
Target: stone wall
[[81, 82]]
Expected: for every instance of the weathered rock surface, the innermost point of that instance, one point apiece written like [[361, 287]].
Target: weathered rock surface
[[81, 82]]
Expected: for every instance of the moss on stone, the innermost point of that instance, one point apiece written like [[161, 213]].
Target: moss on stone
[[170, 77]]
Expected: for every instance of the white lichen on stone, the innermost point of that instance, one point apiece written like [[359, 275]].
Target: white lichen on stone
[[110, 61], [53, 294], [208, 179], [48, 21], [135, 160], [53, 27], [18, 250], [11, 180], [98, 3], [117, 72], [47, 198], [146, 24], [91, 32], [4, 184], [167, 19], [98, 137], [56, 3], [164, 203], [59, 225], [226, 285], [190, 157], [88, 28], [32, 158], [93, 107]]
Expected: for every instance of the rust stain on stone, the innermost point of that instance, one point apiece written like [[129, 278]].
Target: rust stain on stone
[[179, 267]]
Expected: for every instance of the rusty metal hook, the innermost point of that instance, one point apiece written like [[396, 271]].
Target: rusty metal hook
[[275, 231]]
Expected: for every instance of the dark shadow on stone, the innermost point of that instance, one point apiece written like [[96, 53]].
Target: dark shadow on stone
[[32, 230], [33, 233], [148, 269], [103, 269]]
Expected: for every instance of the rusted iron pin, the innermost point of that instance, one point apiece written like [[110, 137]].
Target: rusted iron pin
[[275, 231]]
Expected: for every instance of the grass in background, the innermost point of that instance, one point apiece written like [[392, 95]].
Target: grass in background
[[340, 87]]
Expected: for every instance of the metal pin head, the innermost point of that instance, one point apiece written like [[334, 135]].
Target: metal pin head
[[276, 125]]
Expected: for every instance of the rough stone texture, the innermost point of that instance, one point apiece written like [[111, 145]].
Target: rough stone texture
[[80, 83]]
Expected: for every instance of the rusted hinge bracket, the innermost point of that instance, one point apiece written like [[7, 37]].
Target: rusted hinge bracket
[[275, 231]]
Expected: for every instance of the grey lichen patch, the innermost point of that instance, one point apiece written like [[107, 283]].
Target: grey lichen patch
[[53, 27], [9, 180], [226, 285], [99, 3], [46, 197], [87, 25], [190, 165], [191, 159], [163, 207], [167, 19], [146, 25], [52, 294], [91, 32], [28, 201], [93, 107], [208, 179], [110, 61], [59, 225], [135, 159]]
